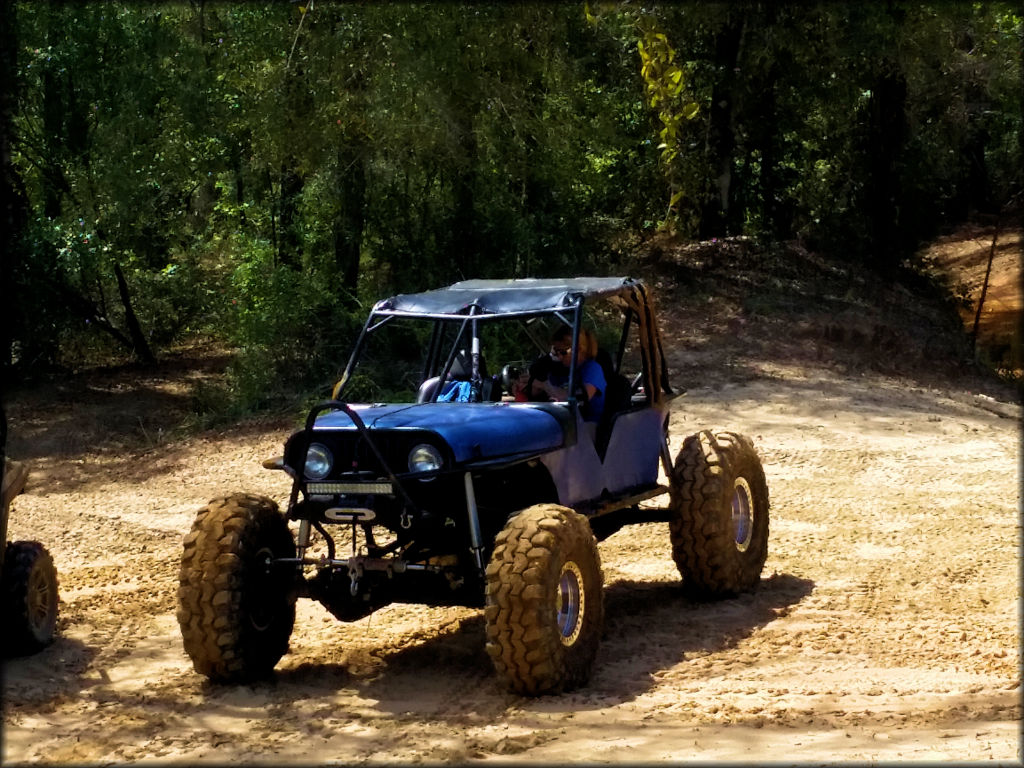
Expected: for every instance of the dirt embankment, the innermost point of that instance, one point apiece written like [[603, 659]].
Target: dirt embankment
[[885, 626], [982, 264]]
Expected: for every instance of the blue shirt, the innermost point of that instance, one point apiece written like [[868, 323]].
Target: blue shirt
[[589, 373]]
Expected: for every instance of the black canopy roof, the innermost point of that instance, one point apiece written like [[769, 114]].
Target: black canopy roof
[[505, 296]]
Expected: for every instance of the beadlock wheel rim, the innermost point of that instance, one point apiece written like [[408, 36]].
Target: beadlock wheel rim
[[40, 600], [571, 603], [742, 514]]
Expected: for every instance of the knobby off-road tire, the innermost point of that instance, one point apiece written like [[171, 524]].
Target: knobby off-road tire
[[718, 514], [545, 601], [29, 598], [235, 609]]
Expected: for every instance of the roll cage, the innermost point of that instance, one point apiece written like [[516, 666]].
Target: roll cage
[[470, 303]]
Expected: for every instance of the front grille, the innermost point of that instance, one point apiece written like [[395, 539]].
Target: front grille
[[353, 453]]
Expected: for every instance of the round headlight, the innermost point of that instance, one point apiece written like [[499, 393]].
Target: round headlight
[[318, 462], [425, 458]]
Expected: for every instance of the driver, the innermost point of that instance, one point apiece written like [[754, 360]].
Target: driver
[[554, 385]]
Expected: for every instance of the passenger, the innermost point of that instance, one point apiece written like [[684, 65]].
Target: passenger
[[519, 385], [588, 372]]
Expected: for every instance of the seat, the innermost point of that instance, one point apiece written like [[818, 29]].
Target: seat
[[426, 391], [462, 370]]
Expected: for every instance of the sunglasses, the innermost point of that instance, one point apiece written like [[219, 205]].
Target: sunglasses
[[560, 351]]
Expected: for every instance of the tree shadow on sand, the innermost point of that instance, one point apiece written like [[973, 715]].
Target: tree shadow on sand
[[652, 626], [649, 627], [32, 682]]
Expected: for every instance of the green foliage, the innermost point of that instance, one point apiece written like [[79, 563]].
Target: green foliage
[[264, 171], [664, 86]]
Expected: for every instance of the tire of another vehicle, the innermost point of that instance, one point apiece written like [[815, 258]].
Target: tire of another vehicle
[[236, 609], [718, 520], [30, 598], [544, 601]]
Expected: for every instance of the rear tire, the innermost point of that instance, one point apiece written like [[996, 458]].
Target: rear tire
[[236, 608], [718, 520], [30, 598], [545, 601]]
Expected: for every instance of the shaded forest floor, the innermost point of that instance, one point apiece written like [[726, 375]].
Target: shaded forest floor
[[885, 626]]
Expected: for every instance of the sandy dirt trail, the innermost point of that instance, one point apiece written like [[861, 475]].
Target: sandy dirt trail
[[885, 626]]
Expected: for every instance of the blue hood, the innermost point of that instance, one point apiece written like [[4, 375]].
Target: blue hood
[[472, 430]]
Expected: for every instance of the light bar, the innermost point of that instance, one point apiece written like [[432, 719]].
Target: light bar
[[325, 489]]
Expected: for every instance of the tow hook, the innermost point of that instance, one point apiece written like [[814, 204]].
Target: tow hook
[[355, 573]]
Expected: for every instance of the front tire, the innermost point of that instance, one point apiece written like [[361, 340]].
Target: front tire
[[718, 520], [236, 608], [30, 598], [545, 601]]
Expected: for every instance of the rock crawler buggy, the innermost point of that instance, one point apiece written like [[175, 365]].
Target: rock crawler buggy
[[28, 578], [455, 494]]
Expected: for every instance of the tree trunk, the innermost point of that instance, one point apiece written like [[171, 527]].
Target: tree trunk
[[984, 287], [85, 308], [764, 126], [887, 130], [289, 240], [236, 171], [139, 344], [716, 212], [350, 218], [464, 241], [14, 214], [298, 101], [53, 125]]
